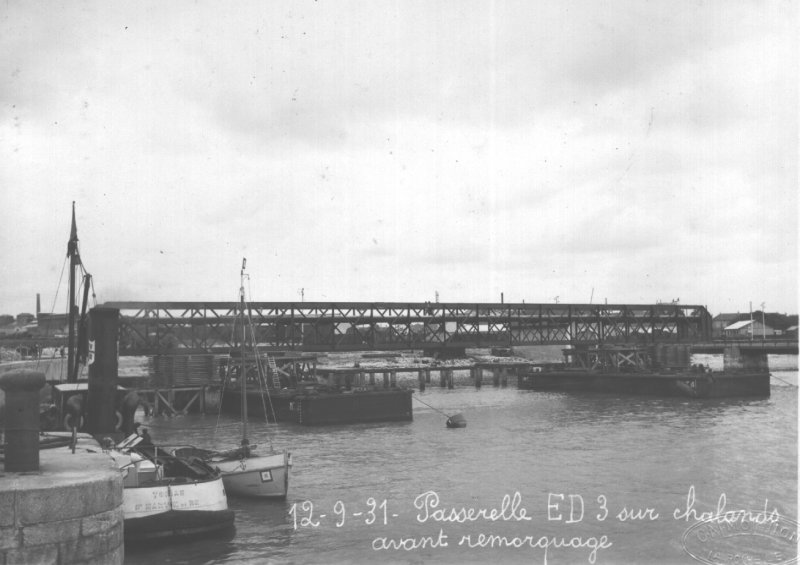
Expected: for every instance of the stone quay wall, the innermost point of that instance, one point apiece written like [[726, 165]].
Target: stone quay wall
[[70, 511]]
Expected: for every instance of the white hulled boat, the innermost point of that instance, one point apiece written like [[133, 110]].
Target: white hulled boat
[[165, 496], [245, 472]]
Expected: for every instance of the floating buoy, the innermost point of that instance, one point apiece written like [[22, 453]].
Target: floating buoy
[[456, 421]]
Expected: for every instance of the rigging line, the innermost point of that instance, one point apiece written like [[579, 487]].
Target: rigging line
[[260, 370], [262, 385], [60, 278], [226, 376], [94, 296]]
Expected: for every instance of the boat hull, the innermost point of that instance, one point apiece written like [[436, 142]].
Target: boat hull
[[175, 507], [178, 524], [324, 408], [259, 476], [392, 405], [686, 384]]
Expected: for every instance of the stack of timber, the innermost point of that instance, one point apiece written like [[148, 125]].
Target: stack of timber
[[182, 370]]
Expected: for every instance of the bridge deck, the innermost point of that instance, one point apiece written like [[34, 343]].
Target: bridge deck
[[153, 327]]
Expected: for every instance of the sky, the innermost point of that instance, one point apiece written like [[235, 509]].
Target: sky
[[632, 152]]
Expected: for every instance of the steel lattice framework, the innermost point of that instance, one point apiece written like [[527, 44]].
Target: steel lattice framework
[[183, 327]]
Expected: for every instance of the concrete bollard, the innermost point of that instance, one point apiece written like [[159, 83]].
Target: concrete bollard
[[22, 419]]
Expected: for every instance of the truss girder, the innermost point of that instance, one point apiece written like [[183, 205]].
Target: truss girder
[[154, 327]]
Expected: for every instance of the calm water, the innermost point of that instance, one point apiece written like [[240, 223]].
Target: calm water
[[610, 452]]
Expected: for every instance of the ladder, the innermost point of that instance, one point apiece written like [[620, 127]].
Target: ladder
[[273, 367]]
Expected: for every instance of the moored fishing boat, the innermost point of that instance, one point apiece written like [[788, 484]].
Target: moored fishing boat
[[245, 472], [165, 496]]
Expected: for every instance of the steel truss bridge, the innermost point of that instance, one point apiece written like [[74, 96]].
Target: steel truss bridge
[[149, 328]]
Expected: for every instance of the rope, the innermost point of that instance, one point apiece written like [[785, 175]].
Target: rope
[[786, 382], [429, 406], [224, 380], [261, 372], [60, 278]]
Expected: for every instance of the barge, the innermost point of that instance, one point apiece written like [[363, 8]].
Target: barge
[[311, 405], [328, 396], [662, 370]]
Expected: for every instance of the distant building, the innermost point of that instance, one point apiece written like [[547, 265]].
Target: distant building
[[25, 318], [748, 328], [53, 324], [722, 321]]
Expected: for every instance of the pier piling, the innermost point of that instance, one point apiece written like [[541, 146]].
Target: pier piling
[[101, 417], [478, 375]]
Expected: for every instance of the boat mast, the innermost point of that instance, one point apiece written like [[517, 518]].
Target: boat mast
[[243, 374], [74, 261]]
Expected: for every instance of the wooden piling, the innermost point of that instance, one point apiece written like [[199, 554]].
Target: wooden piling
[[421, 380], [478, 375]]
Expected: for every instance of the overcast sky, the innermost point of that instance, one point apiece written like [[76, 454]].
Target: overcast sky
[[628, 151]]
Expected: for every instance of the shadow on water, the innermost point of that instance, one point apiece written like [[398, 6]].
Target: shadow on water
[[214, 546]]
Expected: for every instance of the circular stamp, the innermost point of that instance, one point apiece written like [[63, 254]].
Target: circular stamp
[[743, 538]]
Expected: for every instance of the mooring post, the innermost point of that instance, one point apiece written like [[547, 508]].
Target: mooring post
[[101, 400], [22, 419]]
